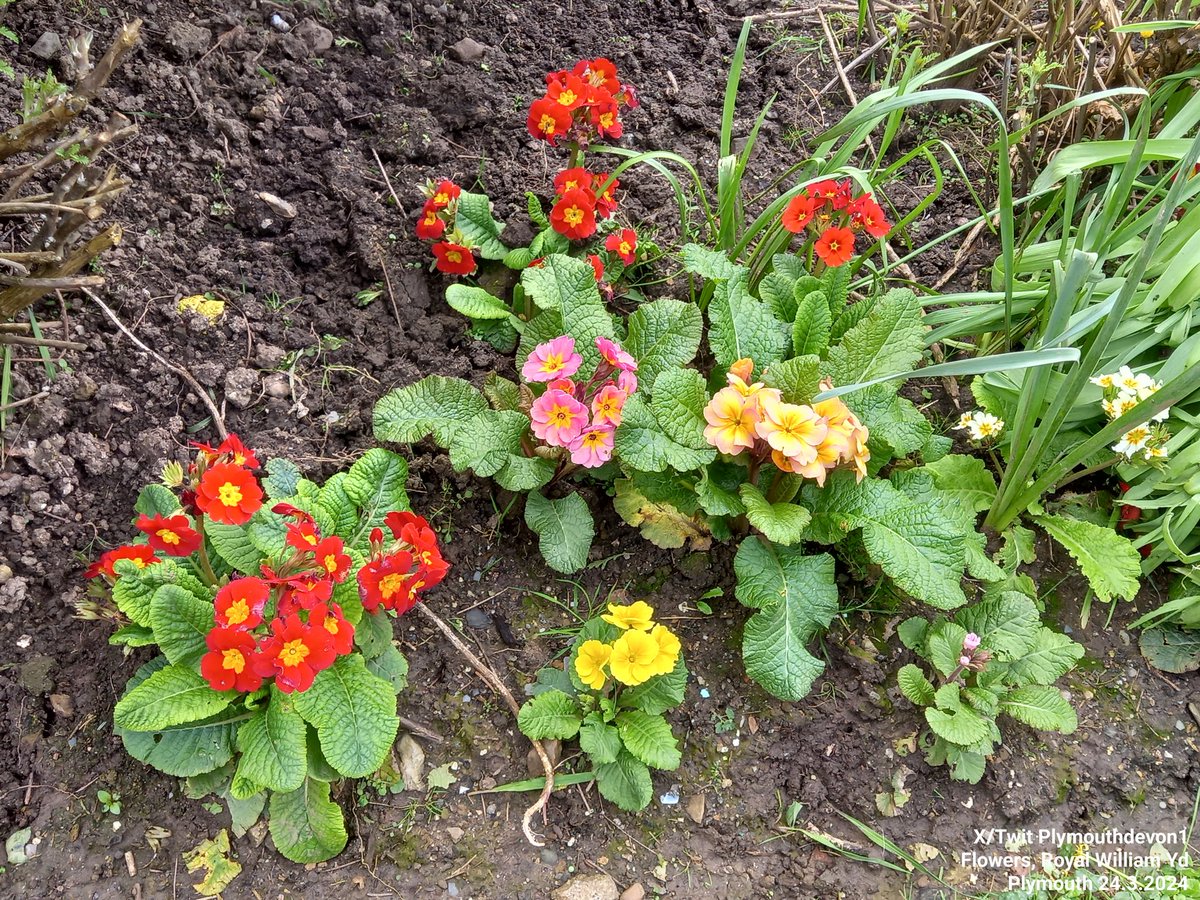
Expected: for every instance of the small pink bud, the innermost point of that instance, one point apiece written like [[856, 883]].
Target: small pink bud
[[964, 660], [971, 641]]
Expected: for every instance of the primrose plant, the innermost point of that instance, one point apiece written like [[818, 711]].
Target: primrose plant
[[992, 658], [269, 603], [623, 672]]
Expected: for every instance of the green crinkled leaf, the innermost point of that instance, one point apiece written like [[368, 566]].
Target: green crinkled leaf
[[641, 443], [536, 214], [134, 588], [474, 219], [375, 484], [835, 282], [354, 713], [710, 264], [661, 522], [649, 739], [659, 694], [476, 303], [985, 702], [678, 405], [392, 666], [914, 685], [336, 512], [1108, 561], [567, 286], [890, 339], [739, 326], [1051, 656], [965, 765], [487, 442], [796, 599], [846, 317], [234, 545], [436, 405], [964, 478], [181, 621], [318, 766], [244, 814], [798, 379], [625, 782], [717, 489], [551, 714], [373, 634], [945, 643], [519, 258], [912, 633], [243, 788], [283, 477], [564, 528], [186, 750], [599, 741], [662, 335], [272, 746], [171, 696], [813, 322], [500, 392], [781, 523], [500, 333], [155, 499], [1007, 623], [1041, 707], [896, 427], [963, 727], [1170, 648], [778, 289], [525, 473], [306, 826], [132, 636]]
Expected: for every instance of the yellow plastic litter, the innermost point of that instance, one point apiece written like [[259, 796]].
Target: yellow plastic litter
[[204, 304]]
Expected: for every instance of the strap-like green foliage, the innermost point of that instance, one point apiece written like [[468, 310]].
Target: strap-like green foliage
[[354, 713], [796, 599], [564, 528]]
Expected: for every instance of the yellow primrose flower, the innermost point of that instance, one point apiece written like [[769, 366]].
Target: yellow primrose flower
[[633, 658], [590, 662], [668, 649], [638, 616]]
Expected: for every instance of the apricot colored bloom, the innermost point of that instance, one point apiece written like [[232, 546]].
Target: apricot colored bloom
[[795, 431], [835, 246], [572, 179], [229, 663], [331, 556], [799, 212], [607, 406], [430, 226], [329, 616], [731, 421], [239, 454], [611, 353], [240, 603], [574, 215], [590, 662], [624, 244], [638, 615], [742, 369], [453, 259], [294, 653], [558, 418], [172, 535], [593, 448], [552, 360], [566, 385], [140, 555], [634, 657], [827, 457], [548, 120], [668, 649], [228, 494]]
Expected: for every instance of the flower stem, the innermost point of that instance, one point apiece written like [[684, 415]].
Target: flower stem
[[206, 568]]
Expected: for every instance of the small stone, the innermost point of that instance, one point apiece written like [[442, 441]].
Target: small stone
[[316, 37], [456, 833], [47, 47], [276, 385], [412, 763], [5, 573], [280, 206], [477, 618], [452, 889], [468, 50], [549, 857], [187, 39], [268, 356], [588, 887], [62, 705], [241, 387], [279, 23], [634, 892], [695, 808], [671, 797]]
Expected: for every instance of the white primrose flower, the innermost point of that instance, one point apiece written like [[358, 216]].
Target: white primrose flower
[[1105, 381], [1153, 453], [1133, 440], [980, 425]]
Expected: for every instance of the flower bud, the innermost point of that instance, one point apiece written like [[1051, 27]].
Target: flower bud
[[971, 641], [964, 660]]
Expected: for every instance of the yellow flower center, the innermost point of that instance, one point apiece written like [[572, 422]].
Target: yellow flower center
[[331, 625], [606, 119], [139, 562], [624, 249], [167, 536], [238, 612], [593, 439], [431, 218], [229, 494], [311, 539], [233, 659], [566, 98], [292, 653], [562, 416], [546, 125], [570, 185], [553, 363], [833, 245], [391, 584], [454, 256], [573, 216], [440, 197], [331, 563]]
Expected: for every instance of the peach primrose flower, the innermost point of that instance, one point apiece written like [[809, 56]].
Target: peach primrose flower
[[590, 662], [731, 421], [743, 369], [607, 406], [552, 360], [558, 418], [593, 448], [795, 431]]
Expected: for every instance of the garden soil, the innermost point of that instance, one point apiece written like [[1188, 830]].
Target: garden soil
[[340, 110]]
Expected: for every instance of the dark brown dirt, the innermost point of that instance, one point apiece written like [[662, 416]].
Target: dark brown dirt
[[229, 107]]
